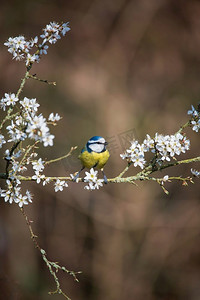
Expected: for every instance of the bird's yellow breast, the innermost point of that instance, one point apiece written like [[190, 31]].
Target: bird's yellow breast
[[94, 159]]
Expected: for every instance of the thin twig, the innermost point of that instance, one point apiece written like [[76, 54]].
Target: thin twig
[[62, 157], [49, 264], [41, 80], [184, 126]]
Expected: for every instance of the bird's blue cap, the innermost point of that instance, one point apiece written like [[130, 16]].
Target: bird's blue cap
[[95, 138]]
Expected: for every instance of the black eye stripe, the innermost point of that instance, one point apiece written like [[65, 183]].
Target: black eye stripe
[[99, 143]]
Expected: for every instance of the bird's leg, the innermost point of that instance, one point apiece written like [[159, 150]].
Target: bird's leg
[[104, 177], [77, 175]]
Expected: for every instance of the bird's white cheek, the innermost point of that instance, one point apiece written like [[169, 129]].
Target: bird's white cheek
[[96, 147]]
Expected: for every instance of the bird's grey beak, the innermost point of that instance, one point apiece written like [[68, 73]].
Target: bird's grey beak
[[106, 143]]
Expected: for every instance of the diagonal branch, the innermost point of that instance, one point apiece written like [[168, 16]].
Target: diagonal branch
[[62, 157]]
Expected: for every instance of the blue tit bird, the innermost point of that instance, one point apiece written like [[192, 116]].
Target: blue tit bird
[[94, 155]]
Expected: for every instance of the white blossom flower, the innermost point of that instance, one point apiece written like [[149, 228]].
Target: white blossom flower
[[7, 155], [29, 196], [124, 155], [15, 167], [38, 165], [31, 59], [8, 196], [196, 125], [99, 182], [3, 104], [22, 168], [43, 49], [2, 192], [20, 42], [59, 185], [148, 143], [138, 160], [15, 133], [21, 200], [91, 176], [15, 43], [133, 148], [165, 179], [18, 56], [90, 186], [2, 140], [94, 185], [33, 42], [48, 140], [30, 105], [17, 154], [54, 118], [9, 99], [193, 112], [46, 181], [135, 154], [195, 172], [37, 129], [65, 28], [38, 177], [195, 118]]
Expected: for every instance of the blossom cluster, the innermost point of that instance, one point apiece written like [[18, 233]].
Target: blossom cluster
[[92, 179], [38, 167], [165, 147], [26, 123], [53, 31], [16, 165], [13, 193], [195, 118], [20, 48]]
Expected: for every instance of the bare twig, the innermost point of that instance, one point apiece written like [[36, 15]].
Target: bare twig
[[62, 157], [52, 266], [41, 80]]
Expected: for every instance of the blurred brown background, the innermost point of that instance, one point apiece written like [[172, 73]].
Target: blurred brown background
[[126, 67]]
